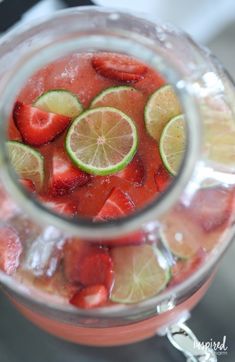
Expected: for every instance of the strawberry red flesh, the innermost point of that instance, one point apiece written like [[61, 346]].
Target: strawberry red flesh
[[36, 126], [10, 250], [77, 257], [65, 176], [118, 204], [212, 208], [134, 238], [96, 268], [74, 252], [162, 178], [134, 172], [90, 297], [118, 67]]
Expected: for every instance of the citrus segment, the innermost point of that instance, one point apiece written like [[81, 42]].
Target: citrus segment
[[179, 236], [173, 144], [162, 105], [140, 272], [102, 141], [27, 162], [123, 98], [59, 101]]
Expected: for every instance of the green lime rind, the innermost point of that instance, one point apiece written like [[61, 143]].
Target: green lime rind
[[27, 162], [100, 98], [60, 101], [140, 272], [161, 106], [173, 143], [92, 127]]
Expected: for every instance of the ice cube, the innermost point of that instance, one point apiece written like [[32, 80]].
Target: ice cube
[[44, 253]]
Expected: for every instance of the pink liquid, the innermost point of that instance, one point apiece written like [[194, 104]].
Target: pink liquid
[[199, 227], [112, 336]]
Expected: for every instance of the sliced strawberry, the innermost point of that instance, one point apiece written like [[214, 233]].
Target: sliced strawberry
[[134, 238], [36, 126], [67, 208], [10, 249], [212, 207], [75, 251], [90, 297], [118, 204], [118, 67], [162, 178], [28, 184], [65, 176], [134, 172], [96, 269]]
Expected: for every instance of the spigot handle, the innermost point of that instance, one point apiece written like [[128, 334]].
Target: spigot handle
[[183, 339]]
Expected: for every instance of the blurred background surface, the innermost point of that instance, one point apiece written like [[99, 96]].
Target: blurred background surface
[[211, 22]]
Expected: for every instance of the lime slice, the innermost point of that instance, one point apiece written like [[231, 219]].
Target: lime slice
[[140, 272], [61, 102], [123, 98], [102, 141], [162, 105], [27, 162], [173, 143], [179, 236], [219, 128]]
